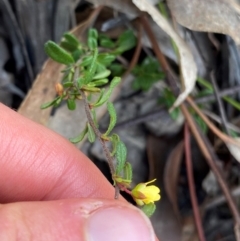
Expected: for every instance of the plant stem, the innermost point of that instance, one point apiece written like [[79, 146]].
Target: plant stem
[[220, 104], [211, 126], [210, 156], [97, 133], [192, 190]]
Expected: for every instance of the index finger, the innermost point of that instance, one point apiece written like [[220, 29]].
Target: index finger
[[38, 164]]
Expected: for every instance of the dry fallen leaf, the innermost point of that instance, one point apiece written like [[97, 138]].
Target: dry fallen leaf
[[234, 150], [219, 16], [187, 63], [172, 169], [165, 221]]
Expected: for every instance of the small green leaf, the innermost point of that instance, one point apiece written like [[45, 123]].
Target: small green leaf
[[105, 97], [67, 84], [90, 88], [68, 74], [114, 140], [149, 209], [106, 58], [105, 73], [100, 82], [127, 171], [71, 39], [80, 136], [92, 43], [100, 68], [90, 72], [107, 43], [68, 46], [57, 53], [77, 54], [91, 134], [93, 33], [86, 61], [147, 73], [94, 116], [80, 82], [100, 95], [113, 117], [121, 155], [116, 69], [126, 41], [58, 101], [175, 113], [71, 104], [50, 103]]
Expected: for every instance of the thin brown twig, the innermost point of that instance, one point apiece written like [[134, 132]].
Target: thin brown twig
[[136, 54], [201, 140], [221, 199], [211, 126], [217, 119], [161, 58], [97, 133], [222, 93], [219, 102], [188, 160], [141, 119], [208, 153]]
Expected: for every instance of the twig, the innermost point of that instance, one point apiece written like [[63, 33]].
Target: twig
[[201, 140], [191, 185], [21, 39], [208, 153], [218, 120], [136, 54], [211, 126], [221, 199], [141, 119], [222, 93], [97, 133], [148, 30], [161, 58], [220, 104]]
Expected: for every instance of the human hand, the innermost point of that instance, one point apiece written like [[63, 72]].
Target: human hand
[[50, 191]]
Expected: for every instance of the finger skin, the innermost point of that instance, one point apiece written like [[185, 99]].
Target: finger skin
[[38, 164], [73, 220]]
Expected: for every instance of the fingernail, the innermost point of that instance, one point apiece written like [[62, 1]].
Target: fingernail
[[118, 224]]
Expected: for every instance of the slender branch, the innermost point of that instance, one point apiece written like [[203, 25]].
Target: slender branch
[[218, 120], [200, 138], [97, 133], [211, 126], [191, 185], [160, 56], [221, 199], [222, 93], [208, 153], [143, 118], [220, 104], [136, 54]]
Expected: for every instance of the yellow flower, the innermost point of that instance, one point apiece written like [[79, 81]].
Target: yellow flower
[[143, 194]]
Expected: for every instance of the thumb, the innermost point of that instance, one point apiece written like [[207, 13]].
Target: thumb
[[74, 219]]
